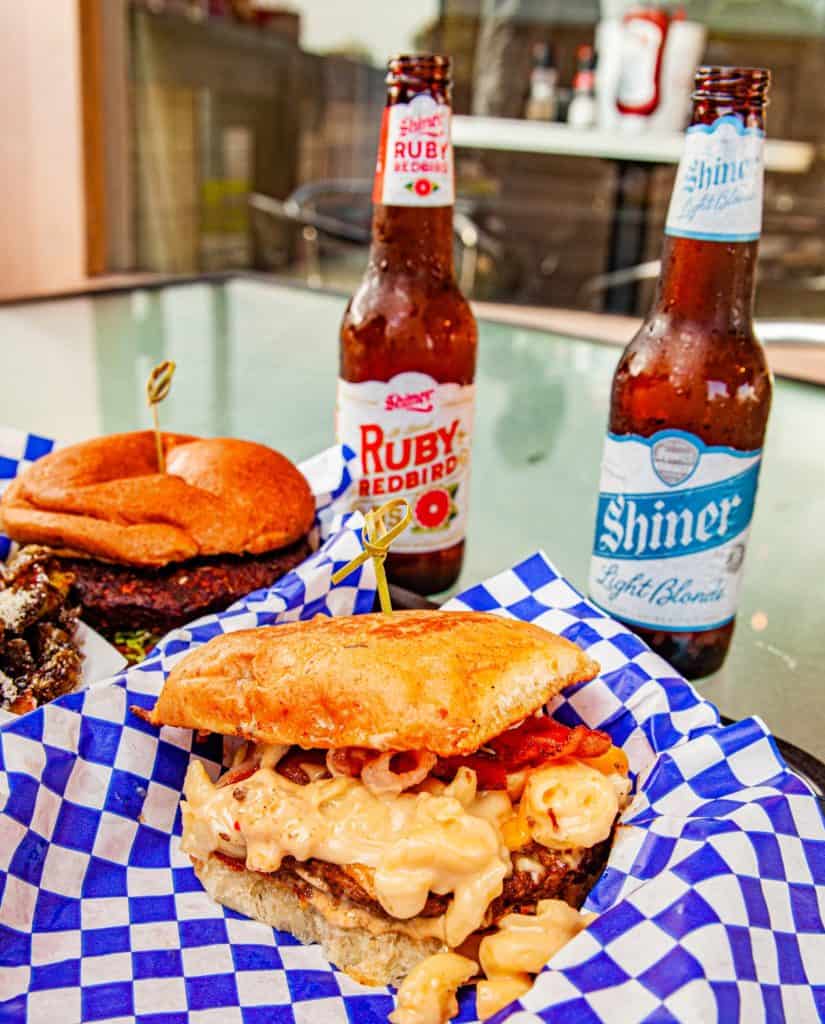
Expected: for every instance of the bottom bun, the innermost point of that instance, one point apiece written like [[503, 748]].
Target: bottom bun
[[366, 947]]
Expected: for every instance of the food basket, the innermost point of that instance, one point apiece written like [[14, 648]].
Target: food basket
[[710, 907]]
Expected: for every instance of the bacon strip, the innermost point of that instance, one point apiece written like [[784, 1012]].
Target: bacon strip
[[538, 740], [490, 772], [535, 742]]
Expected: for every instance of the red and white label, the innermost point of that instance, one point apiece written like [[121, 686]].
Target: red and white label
[[643, 42], [412, 436], [415, 155]]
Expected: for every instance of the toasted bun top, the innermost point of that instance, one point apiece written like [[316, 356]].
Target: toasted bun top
[[440, 681], [105, 498]]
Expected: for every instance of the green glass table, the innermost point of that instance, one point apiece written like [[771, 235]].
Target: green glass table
[[259, 360]]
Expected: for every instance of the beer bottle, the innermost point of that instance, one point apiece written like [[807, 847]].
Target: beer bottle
[[691, 397], [408, 337]]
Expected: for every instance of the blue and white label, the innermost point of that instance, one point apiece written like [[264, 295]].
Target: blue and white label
[[717, 196], [671, 530]]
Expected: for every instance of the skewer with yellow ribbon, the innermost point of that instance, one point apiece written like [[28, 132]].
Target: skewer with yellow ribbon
[[377, 538], [157, 388]]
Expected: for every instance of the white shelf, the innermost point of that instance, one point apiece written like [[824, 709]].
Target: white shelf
[[560, 139]]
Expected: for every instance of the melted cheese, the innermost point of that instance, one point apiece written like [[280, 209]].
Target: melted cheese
[[271, 753], [493, 994], [348, 915], [415, 843], [445, 839], [523, 943], [427, 994], [568, 805]]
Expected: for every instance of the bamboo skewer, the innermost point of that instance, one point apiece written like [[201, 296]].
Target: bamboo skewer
[[157, 388], [377, 538]]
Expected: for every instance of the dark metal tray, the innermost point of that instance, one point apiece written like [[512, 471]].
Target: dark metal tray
[[810, 768]]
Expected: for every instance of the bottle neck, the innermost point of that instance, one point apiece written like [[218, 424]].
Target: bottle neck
[[711, 282], [413, 241], [715, 215]]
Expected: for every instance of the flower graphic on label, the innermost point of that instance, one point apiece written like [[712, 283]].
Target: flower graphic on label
[[422, 186], [432, 509]]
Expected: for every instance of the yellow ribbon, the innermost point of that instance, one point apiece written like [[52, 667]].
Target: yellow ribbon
[[157, 388], [377, 540]]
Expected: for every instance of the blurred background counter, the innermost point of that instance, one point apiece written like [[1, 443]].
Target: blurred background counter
[[216, 135]]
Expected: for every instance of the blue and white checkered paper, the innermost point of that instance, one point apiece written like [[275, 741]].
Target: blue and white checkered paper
[[711, 907], [17, 451]]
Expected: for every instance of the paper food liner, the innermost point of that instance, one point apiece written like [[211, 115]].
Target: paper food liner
[[330, 475], [711, 906]]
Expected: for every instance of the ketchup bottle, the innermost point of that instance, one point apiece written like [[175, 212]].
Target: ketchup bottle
[[408, 338], [643, 46]]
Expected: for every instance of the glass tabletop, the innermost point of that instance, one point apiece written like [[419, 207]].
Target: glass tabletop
[[259, 360]]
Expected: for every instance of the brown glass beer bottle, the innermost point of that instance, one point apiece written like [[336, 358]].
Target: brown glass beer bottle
[[408, 338], [691, 397]]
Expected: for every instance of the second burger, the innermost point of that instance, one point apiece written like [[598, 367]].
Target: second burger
[[151, 551]]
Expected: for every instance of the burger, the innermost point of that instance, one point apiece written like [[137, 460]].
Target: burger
[[148, 551], [397, 790]]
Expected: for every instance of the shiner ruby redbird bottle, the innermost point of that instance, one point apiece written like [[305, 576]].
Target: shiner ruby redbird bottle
[[691, 398], [408, 339]]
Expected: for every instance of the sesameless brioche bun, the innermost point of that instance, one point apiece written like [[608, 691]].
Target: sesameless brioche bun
[[441, 681], [357, 941], [105, 499]]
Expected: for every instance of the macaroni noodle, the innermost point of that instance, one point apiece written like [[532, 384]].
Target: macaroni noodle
[[415, 843], [525, 942], [493, 994], [569, 805], [427, 994]]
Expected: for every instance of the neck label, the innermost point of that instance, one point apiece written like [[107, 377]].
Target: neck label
[[717, 196], [671, 530], [415, 155]]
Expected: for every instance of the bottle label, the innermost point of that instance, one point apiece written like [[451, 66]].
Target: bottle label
[[717, 196], [671, 530], [415, 155], [412, 437]]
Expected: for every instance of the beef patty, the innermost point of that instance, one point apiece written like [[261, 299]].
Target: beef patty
[[538, 874], [117, 598]]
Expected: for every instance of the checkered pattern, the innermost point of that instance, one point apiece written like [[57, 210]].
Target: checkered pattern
[[331, 475], [713, 901], [710, 909], [18, 450], [101, 917]]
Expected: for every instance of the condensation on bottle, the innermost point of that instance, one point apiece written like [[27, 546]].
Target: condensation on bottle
[[691, 397], [408, 338]]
